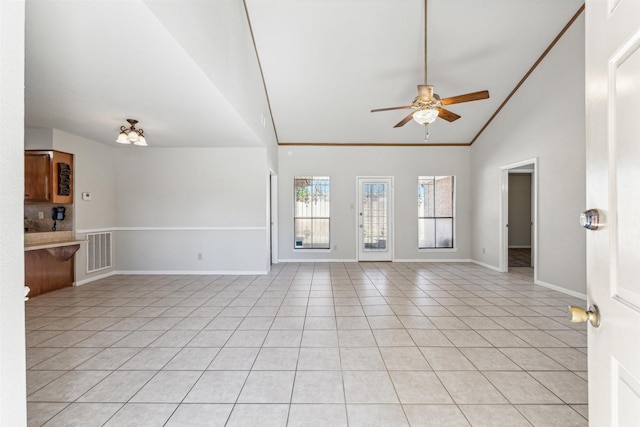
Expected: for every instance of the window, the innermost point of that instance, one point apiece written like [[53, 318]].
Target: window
[[311, 212], [435, 212]]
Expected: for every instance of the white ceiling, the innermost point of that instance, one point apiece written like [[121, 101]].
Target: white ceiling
[[188, 71]]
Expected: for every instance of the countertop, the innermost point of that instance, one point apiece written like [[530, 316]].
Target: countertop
[[36, 246], [51, 239]]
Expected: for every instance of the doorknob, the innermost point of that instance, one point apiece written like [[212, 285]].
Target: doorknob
[[590, 219], [577, 315]]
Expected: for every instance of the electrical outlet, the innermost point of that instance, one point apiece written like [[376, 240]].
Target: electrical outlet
[[40, 215], [199, 256], [484, 250]]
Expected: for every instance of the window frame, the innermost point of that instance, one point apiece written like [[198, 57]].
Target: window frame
[[453, 247], [313, 217]]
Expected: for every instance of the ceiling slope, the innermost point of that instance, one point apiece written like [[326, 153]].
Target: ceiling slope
[[327, 63]]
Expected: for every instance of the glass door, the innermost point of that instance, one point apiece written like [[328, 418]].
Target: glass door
[[375, 222]]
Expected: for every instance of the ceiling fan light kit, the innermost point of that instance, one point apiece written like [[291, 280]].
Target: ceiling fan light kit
[[426, 116], [427, 105]]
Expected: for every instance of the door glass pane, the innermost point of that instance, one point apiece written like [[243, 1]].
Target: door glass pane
[[444, 233], [426, 233], [374, 216]]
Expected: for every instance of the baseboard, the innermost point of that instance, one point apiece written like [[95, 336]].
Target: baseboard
[[489, 266], [193, 272], [519, 246], [94, 278], [561, 289], [317, 260], [432, 260]]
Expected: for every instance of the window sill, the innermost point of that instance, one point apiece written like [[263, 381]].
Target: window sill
[[315, 251], [438, 250]]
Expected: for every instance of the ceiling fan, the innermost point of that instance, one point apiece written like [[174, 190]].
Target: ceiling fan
[[427, 105]]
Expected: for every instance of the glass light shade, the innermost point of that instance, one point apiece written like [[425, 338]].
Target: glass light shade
[[425, 117], [132, 136], [122, 138], [141, 141]]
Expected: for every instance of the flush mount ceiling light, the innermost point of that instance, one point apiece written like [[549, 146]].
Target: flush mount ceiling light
[[131, 135]]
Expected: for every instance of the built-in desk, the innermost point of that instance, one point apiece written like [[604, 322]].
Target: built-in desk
[[49, 265]]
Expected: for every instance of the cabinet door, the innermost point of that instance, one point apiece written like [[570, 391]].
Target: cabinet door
[[36, 177]]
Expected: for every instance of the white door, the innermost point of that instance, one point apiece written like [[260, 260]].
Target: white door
[[613, 177], [375, 222]]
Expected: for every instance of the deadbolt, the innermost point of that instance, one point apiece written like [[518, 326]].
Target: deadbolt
[[578, 315], [590, 219]]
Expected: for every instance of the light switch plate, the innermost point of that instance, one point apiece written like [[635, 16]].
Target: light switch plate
[[86, 196]]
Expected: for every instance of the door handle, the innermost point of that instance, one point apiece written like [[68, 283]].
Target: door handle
[[590, 219], [578, 315]]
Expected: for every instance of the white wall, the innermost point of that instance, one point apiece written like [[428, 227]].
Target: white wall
[[343, 165], [94, 172], [173, 204], [545, 119], [13, 408], [38, 139], [520, 210]]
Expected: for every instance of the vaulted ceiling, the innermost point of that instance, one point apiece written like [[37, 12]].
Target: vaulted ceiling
[[228, 73]]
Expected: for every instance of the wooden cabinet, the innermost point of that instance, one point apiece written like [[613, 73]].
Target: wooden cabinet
[[46, 270], [48, 176]]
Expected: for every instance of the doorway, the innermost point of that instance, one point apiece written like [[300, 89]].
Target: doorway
[[519, 218], [272, 220], [375, 218], [518, 215]]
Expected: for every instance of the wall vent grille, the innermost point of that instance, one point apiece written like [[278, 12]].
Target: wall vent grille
[[98, 251]]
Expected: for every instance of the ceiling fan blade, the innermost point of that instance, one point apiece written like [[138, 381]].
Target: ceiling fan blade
[[474, 96], [391, 108], [405, 120], [425, 92], [447, 115]]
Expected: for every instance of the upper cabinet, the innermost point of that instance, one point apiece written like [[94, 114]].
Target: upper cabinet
[[48, 176]]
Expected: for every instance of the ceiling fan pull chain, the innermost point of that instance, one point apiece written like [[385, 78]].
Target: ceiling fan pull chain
[[426, 133]]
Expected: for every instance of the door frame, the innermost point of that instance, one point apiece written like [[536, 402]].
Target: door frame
[[503, 232], [390, 231], [272, 219]]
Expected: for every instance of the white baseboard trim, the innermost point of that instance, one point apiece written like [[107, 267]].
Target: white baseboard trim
[[561, 289], [193, 272], [431, 260], [489, 266], [94, 278], [519, 246], [317, 260]]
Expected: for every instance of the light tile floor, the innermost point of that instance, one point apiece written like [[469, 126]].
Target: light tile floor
[[370, 344]]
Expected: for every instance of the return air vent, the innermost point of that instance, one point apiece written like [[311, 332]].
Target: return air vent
[[98, 251]]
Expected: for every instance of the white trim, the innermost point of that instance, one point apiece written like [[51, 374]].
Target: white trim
[[437, 250], [312, 251], [96, 230], [490, 267], [188, 228], [560, 289], [432, 260], [94, 278], [171, 229], [193, 272], [519, 246], [503, 209], [319, 260], [272, 220]]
